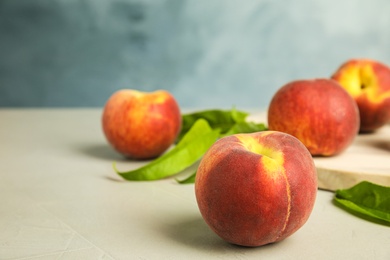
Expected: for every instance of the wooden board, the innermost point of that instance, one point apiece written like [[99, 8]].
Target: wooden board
[[368, 158]]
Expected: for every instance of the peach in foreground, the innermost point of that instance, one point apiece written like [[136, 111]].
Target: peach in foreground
[[255, 189]]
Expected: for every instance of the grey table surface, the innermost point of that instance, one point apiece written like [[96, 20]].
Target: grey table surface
[[60, 199]]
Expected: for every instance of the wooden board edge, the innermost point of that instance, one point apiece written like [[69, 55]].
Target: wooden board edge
[[332, 179]]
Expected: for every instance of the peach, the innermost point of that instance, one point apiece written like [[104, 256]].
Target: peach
[[368, 82], [141, 125], [255, 189], [319, 112]]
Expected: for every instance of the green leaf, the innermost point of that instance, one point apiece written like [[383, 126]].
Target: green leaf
[[367, 200], [228, 121], [190, 179], [241, 127], [217, 119], [245, 127], [190, 149]]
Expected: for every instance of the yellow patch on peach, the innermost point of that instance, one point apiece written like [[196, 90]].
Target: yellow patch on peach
[[350, 81], [271, 159], [358, 79], [160, 96], [136, 93]]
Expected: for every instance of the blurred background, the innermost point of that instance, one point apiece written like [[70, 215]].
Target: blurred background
[[207, 53]]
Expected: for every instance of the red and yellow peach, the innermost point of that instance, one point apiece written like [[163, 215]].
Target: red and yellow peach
[[255, 189], [141, 125], [368, 82], [320, 113]]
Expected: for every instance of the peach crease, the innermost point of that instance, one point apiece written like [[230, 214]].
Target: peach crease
[[272, 161]]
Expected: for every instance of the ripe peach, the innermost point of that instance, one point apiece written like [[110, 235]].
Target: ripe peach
[[141, 125], [368, 82], [258, 188], [320, 113]]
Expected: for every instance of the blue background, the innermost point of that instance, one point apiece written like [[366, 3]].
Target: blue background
[[207, 53]]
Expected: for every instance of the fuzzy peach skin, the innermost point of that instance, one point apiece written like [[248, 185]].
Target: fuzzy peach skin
[[141, 125], [255, 189], [368, 82], [319, 112]]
